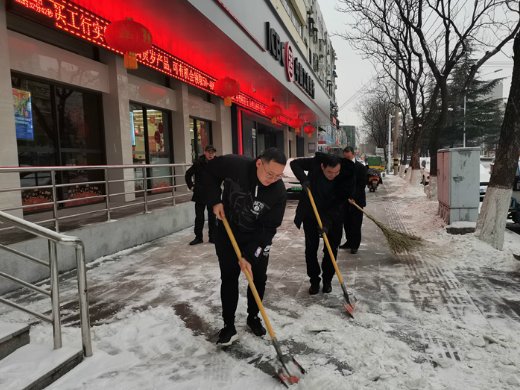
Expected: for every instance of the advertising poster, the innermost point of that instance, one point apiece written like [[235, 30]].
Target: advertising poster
[[23, 114]]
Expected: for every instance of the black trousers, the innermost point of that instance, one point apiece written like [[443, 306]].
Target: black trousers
[[352, 221], [199, 219], [229, 274], [312, 243]]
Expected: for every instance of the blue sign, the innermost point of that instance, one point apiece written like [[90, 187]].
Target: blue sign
[[23, 114]]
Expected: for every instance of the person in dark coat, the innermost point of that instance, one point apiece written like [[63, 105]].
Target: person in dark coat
[[253, 201], [352, 217], [199, 195], [330, 191]]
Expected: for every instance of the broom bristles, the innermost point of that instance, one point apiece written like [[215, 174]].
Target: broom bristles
[[399, 242]]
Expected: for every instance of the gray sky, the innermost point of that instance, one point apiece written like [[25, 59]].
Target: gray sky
[[356, 73], [353, 72]]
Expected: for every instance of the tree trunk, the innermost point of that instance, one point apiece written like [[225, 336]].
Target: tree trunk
[[434, 138], [492, 219], [415, 164]]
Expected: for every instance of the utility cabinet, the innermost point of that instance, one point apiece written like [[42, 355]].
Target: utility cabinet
[[458, 184]]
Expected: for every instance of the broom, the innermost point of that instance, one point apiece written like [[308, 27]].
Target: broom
[[399, 242]]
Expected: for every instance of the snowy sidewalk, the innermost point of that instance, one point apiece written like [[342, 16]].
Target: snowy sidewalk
[[421, 322]]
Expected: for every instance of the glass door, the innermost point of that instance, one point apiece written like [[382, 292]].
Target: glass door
[[200, 133], [151, 145]]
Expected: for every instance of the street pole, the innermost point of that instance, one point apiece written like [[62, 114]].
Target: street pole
[[464, 124], [388, 153], [396, 122]]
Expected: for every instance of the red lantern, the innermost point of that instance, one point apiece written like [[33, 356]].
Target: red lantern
[[227, 88], [273, 112], [296, 123], [309, 129], [130, 38]]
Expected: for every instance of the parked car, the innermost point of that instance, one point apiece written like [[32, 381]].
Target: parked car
[[514, 207], [292, 184]]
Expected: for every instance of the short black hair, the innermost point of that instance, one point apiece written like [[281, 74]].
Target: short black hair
[[329, 160], [348, 149], [273, 154]]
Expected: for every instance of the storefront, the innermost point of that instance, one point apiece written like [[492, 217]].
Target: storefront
[[77, 104]]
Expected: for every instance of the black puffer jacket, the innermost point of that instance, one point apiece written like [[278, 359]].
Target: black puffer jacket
[[253, 210]]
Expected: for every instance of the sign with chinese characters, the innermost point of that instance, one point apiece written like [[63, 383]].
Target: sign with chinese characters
[[283, 53], [23, 114], [78, 21]]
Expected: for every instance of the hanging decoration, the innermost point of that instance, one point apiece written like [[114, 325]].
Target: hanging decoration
[[296, 123], [273, 112], [129, 37], [309, 130], [227, 88]]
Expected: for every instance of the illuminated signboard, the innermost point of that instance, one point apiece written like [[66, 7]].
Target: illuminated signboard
[[84, 24]]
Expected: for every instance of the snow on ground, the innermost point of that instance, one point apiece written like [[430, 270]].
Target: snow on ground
[[147, 345]]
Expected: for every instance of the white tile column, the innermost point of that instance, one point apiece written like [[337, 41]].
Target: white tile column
[[181, 124], [118, 139], [8, 146], [221, 128]]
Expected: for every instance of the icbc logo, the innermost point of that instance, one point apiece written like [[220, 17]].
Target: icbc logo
[[289, 62]]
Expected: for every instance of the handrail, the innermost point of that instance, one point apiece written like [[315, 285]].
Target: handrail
[[113, 188], [54, 238]]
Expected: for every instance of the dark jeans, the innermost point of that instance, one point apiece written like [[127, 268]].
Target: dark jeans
[[199, 220], [352, 221], [229, 274], [312, 243]]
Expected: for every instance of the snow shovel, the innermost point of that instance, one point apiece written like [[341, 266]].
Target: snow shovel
[[349, 306], [290, 371]]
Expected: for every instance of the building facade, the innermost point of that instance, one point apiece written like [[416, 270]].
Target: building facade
[[66, 97]]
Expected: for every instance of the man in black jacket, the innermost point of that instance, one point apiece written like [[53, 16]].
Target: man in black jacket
[[353, 218], [253, 201], [329, 189], [199, 195]]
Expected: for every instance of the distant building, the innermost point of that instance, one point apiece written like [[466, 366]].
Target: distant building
[[349, 134]]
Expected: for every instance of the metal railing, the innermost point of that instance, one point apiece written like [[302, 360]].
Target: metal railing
[[51, 191], [53, 239]]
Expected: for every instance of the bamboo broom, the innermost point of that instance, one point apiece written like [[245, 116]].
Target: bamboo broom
[[399, 242]]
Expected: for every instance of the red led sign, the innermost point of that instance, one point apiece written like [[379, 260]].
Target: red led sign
[[82, 23]]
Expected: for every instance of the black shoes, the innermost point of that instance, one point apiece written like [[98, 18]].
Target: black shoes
[[196, 241], [227, 335], [346, 245], [327, 288], [353, 251], [255, 325], [211, 240], [314, 289]]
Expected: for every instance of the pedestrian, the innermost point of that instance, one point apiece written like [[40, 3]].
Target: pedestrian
[[199, 195], [328, 190], [353, 217], [253, 200]]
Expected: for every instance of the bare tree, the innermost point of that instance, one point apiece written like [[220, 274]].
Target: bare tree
[[374, 111], [492, 219], [486, 25], [380, 34]]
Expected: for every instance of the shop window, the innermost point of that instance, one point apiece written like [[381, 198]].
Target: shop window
[[151, 145], [57, 126]]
